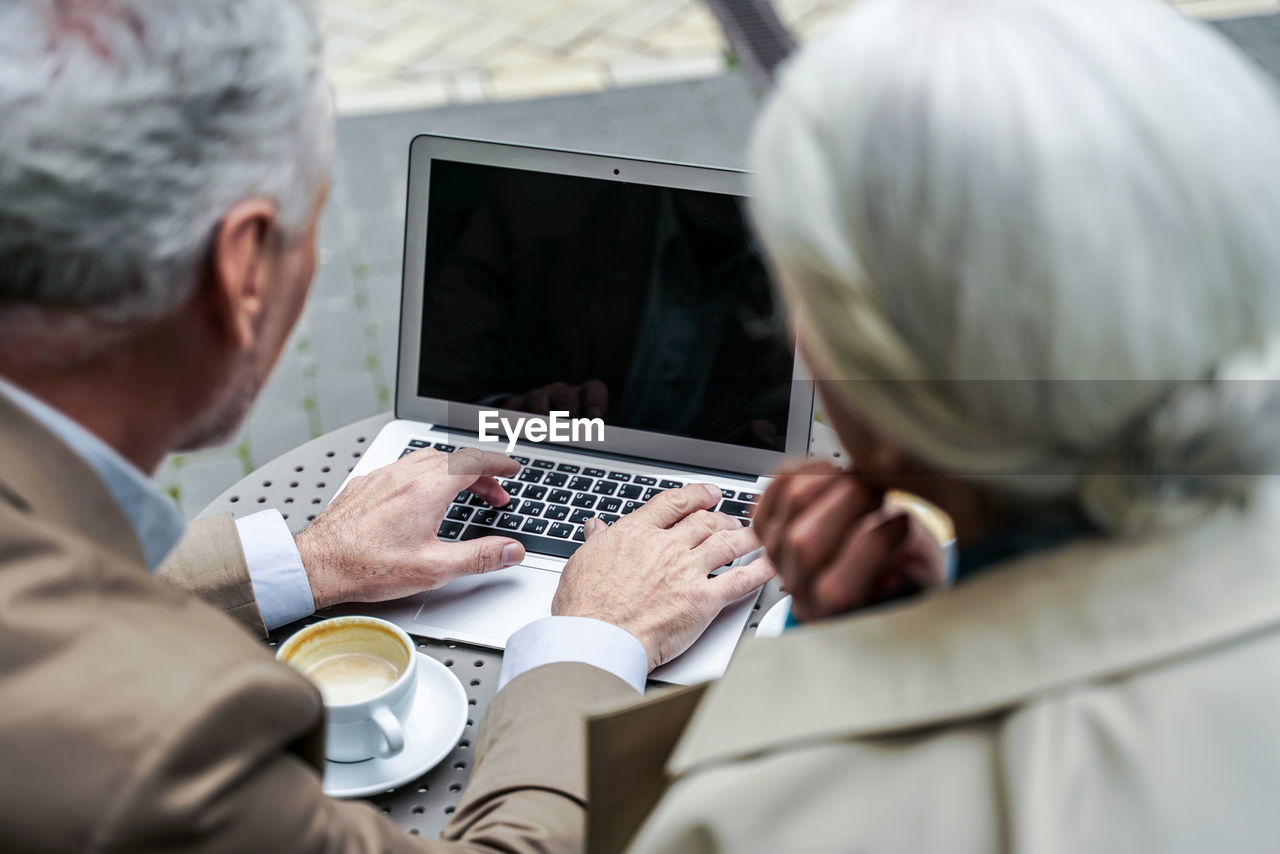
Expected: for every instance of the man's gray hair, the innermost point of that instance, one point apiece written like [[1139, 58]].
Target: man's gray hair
[[128, 128], [1038, 243]]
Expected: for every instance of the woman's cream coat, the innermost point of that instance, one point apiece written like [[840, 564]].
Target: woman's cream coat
[[1100, 697]]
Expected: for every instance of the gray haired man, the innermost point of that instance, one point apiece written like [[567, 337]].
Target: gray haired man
[[162, 168]]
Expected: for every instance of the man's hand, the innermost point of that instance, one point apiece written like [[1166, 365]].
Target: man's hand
[[648, 573], [377, 540], [837, 547]]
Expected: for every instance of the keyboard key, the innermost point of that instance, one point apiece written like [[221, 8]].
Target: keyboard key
[[569, 467], [561, 529], [555, 478], [450, 530], [645, 481], [747, 496], [530, 475], [486, 517], [726, 493], [736, 508], [535, 492], [441, 446], [524, 461], [630, 490], [532, 508], [560, 496], [543, 464], [557, 512], [631, 507], [579, 535], [670, 484], [590, 472], [580, 516], [535, 526], [609, 505], [604, 487], [609, 518], [407, 451], [583, 500], [649, 493], [461, 497], [512, 488], [511, 506], [510, 522], [582, 484], [419, 443], [620, 476], [532, 542], [477, 501], [460, 513]]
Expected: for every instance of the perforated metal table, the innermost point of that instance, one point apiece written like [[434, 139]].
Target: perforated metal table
[[300, 483]]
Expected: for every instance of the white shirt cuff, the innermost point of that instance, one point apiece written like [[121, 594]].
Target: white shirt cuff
[[275, 569], [555, 639]]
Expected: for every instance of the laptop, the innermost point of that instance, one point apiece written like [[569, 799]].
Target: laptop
[[607, 321]]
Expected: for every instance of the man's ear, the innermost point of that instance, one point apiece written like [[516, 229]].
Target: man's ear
[[240, 268]]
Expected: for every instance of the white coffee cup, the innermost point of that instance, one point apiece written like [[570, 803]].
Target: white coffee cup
[[367, 672]]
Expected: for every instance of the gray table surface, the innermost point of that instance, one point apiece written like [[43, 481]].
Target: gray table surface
[[300, 484]]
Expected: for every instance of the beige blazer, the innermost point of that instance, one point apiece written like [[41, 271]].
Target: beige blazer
[[135, 717], [1103, 697]]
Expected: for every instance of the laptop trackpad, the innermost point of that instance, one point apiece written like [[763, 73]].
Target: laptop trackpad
[[493, 606]]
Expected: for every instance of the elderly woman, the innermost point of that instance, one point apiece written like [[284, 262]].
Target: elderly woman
[[1032, 248]]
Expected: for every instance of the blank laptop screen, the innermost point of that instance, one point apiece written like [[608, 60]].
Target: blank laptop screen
[[646, 306]]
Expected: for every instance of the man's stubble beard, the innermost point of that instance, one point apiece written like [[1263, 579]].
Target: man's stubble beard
[[219, 421]]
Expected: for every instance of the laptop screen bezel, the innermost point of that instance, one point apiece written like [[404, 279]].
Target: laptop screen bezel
[[619, 441]]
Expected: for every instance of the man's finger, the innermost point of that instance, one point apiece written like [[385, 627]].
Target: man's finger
[[595, 396], [724, 546], [419, 457], [593, 526], [693, 529], [669, 507], [472, 557], [740, 580], [473, 463], [490, 490], [855, 573]]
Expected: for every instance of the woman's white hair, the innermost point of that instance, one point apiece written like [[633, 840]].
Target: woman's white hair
[[1037, 243], [128, 128]]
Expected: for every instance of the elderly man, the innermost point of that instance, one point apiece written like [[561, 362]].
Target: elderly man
[[162, 168]]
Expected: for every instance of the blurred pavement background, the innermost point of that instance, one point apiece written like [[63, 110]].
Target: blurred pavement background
[[648, 78]]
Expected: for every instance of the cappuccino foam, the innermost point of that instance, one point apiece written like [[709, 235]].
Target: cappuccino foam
[[352, 676]]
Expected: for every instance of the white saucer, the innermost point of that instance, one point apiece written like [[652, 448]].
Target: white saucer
[[436, 723], [774, 620]]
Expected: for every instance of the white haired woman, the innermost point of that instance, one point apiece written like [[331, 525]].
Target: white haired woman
[[1033, 255]]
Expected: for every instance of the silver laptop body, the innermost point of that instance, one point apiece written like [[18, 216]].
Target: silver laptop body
[[617, 290]]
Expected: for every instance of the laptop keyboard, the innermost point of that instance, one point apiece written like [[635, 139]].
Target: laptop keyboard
[[551, 501]]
